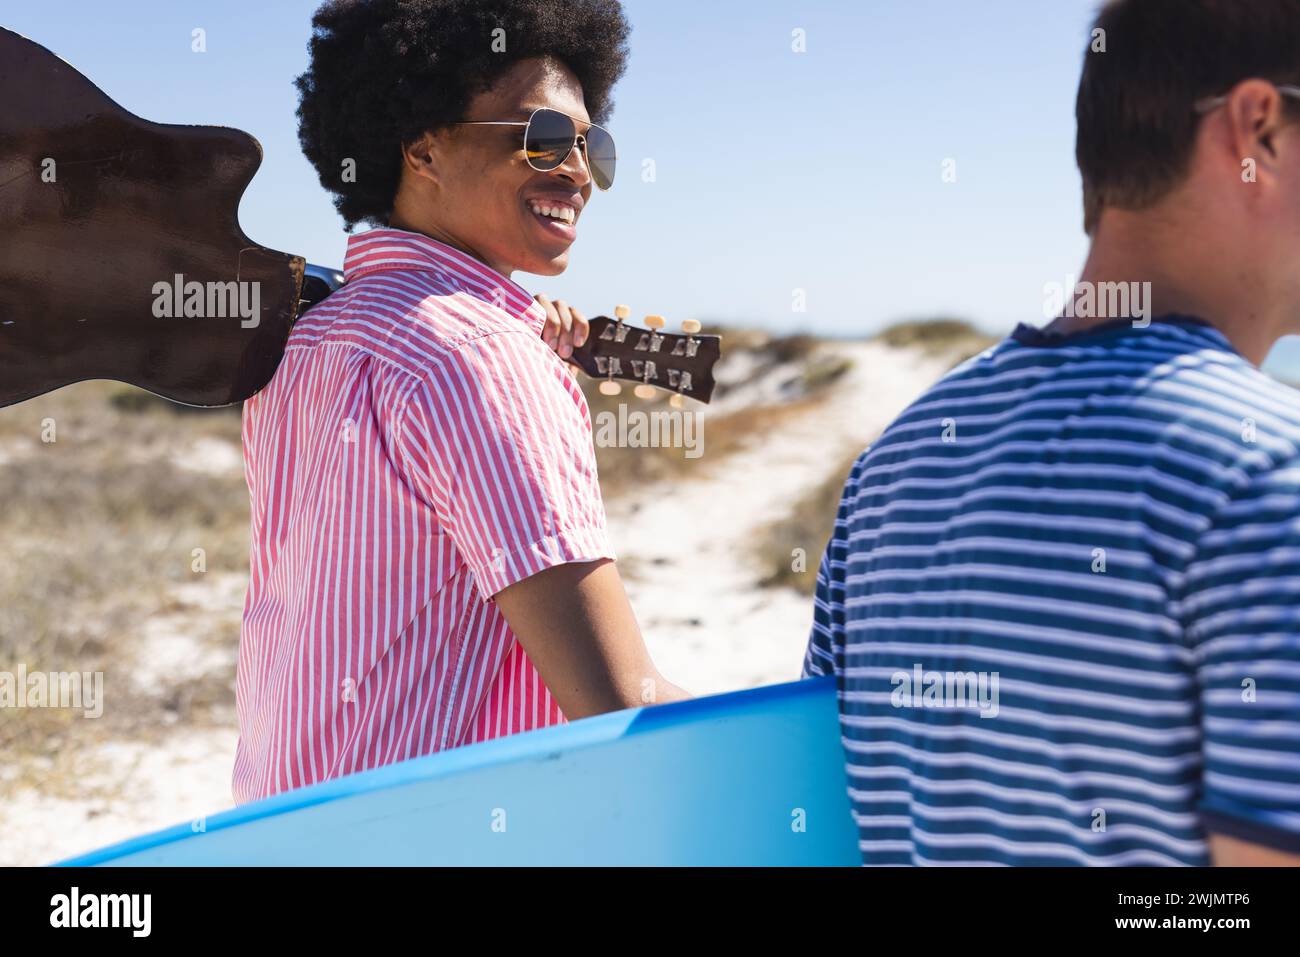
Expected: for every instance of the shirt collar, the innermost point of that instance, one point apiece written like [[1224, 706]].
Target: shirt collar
[[1029, 335], [391, 250]]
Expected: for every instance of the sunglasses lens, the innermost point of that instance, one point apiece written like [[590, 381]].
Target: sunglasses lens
[[550, 136], [601, 157], [548, 139]]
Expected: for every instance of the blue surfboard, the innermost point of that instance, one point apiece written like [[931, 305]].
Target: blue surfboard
[[750, 778]]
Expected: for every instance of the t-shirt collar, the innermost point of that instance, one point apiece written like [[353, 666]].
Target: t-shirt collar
[[387, 249], [1029, 335]]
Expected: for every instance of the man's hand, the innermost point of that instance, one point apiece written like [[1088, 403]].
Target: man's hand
[[565, 328]]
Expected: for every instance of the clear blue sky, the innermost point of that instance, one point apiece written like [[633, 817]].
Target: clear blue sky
[[776, 170]]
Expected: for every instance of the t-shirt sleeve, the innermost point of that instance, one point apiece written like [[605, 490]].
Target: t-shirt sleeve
[[497, 439], [826, 641], [1241, 609]]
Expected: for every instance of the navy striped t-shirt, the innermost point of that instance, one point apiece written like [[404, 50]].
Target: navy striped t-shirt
[[1062, 606]]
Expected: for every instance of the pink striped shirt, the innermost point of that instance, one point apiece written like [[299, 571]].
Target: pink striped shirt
[[419, 449]]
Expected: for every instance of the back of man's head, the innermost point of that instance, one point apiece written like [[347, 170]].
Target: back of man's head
[[1150, 62]]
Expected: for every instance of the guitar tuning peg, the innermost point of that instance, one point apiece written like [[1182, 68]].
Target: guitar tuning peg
[[690, 326], [654, 322], [677, 401], [610, 387], [644, 391], [621, 312]]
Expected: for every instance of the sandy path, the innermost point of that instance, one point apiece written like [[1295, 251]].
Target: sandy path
[[149, 788], [709, 626]]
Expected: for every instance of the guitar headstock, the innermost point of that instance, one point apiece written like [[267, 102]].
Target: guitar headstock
[[680, 363]]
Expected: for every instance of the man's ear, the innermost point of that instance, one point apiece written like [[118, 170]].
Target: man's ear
[[1256, 113], [422, 157]]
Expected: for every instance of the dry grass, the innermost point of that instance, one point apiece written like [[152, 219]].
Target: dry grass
[[807, 527], [100, 526], [824, 371], [795, 348], [954, 338], [818, 367], [625, 470]]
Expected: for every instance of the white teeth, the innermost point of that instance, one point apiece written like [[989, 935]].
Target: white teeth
[[562, 213]]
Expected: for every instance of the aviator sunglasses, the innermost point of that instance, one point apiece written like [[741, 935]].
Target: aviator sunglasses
[[549, 138]]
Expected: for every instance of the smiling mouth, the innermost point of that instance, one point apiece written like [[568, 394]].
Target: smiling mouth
[[553, 212]]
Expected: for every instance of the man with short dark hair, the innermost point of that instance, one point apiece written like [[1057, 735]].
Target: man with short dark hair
[[430, 565], [1062, 597]]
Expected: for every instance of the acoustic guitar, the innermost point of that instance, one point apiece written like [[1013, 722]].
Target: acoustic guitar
[[121, 257]]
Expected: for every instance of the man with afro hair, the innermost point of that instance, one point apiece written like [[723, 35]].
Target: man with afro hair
[[429, 562]]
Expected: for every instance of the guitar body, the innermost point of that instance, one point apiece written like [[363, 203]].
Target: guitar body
[[121, 255]]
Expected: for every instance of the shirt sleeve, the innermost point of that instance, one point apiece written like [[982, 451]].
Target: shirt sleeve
[[826, 642], [497, 439], [1242, 617]]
